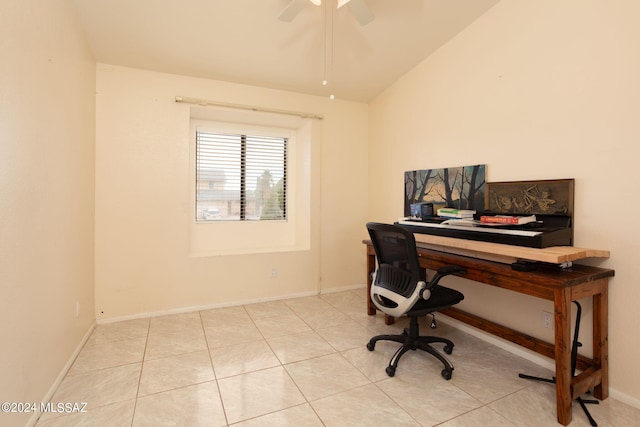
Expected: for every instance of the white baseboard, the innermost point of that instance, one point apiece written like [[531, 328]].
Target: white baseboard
[[228, 304], [624, 398], [203, 307], [47, 397], [342, 289]]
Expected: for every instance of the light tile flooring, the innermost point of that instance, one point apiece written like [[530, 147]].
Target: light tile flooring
[[300, 362]]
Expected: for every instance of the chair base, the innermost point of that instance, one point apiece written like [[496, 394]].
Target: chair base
[[411, 340]]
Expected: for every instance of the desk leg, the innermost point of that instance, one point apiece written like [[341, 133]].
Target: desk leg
[[562, 306], [601, 341]]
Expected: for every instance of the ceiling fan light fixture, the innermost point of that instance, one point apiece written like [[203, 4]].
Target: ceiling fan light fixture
[[292, 10], [359, 9]]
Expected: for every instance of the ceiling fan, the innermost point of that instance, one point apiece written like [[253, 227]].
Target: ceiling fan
[[358, 8]]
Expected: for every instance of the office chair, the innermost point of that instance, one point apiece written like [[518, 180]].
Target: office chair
[[399, 289]]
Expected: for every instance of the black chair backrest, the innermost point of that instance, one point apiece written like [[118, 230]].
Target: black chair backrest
[[398, 266]]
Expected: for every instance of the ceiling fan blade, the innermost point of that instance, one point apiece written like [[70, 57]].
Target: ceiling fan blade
[[292, 10], [359, 9]]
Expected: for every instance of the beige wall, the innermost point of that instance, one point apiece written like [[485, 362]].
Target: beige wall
[[47, 111], [143, 263], [535, 90]]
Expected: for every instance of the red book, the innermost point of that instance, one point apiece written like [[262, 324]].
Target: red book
[[507, 219]]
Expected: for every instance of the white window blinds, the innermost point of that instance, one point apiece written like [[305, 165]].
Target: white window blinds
[[240, 177]]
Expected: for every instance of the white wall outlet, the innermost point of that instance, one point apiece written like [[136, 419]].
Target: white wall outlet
[[547, 319], [274, 272]]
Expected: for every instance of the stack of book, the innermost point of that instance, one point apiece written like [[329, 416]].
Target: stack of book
[[456, 213]]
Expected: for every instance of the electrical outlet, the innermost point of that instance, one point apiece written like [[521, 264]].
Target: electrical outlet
[[547, 320], [274, 272]]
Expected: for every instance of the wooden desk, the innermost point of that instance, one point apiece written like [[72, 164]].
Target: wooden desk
[[550, 282]]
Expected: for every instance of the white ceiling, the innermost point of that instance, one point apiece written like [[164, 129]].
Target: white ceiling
[[243, 41]]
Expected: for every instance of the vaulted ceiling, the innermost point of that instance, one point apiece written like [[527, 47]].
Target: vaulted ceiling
[[243, 41]]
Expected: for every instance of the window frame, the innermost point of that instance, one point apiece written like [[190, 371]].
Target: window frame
[[213, 139], [232, 238]]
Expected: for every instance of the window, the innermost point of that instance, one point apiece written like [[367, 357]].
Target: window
[[240, 177], [215, 224]]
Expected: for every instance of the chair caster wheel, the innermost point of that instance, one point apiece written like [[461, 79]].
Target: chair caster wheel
[[448, 349], [446, 374], [391, 371], [371, 346]]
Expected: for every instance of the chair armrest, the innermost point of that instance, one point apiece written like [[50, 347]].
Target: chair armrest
[[445, 271]]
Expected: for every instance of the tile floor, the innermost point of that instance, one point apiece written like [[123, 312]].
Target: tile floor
[[300, 362]]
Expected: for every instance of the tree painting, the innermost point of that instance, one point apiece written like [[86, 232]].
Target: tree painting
[[460, 187]]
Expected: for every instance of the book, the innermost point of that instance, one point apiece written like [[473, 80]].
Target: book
[[455, 213], [507, 219]]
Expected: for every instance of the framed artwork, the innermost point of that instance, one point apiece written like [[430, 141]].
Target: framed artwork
[[461, 187], [544, 197]]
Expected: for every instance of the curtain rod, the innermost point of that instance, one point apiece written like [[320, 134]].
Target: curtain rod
[[204, 103]]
